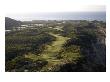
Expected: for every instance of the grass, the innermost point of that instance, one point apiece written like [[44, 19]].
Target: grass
[[52, 51], [49, 54]]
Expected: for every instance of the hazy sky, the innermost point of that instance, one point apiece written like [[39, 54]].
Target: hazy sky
[[22, 8], [57, 8], [32, 6]]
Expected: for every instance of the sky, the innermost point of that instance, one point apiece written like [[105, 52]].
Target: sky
[[32, 6], [22, 8]]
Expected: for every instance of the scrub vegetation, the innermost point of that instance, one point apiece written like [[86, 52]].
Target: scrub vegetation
[[56, 46]]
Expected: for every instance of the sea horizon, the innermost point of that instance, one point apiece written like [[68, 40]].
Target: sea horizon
[[100, 16]]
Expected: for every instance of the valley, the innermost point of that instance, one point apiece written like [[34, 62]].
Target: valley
[[55, 46]]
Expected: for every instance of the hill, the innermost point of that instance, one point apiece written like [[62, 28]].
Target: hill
[[10, 23]]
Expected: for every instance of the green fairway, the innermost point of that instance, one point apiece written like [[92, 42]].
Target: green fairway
[[49, 54]]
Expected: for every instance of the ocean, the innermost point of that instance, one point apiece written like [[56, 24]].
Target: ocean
[[101, 16]]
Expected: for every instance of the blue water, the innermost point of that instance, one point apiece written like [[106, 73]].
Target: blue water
[[101, 16], [74, 16]]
